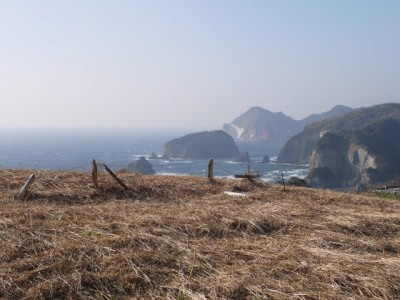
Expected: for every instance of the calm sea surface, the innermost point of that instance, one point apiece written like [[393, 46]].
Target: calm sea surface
[[75, 150]]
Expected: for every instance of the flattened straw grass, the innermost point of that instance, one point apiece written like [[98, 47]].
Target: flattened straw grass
[[184, 238]]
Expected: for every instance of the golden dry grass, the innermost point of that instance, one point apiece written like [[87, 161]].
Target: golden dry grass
[[183, 238]]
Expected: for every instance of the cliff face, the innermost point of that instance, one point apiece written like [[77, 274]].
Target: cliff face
[[368, 155], [201, 145], [300, 147]]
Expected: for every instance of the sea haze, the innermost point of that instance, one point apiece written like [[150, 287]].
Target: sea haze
[[73, 150]]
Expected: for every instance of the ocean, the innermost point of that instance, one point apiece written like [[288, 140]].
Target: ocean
[[67, 150]]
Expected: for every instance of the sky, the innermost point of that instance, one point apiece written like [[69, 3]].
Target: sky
[[192, 63]]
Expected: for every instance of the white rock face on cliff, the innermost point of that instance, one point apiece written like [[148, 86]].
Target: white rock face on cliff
[[341, 164], [362, 161], [329, 164], [234, 131], [258, 124]]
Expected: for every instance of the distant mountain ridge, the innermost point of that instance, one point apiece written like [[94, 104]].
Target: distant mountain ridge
[[259, 124], [335, 111]]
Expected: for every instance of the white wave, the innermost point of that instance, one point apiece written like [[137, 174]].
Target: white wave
[[172, 174], [139, 155]]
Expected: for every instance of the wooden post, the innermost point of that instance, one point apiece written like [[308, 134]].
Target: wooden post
[[283, 182], [115, 177], [94, 174], [26, 186], [211, 170]]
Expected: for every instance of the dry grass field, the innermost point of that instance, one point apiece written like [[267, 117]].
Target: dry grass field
[[184, 238]]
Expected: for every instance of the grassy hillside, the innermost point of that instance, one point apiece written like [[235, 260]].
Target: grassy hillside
[[184, 238]]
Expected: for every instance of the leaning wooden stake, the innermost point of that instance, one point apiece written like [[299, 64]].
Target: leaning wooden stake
[[115, 177], [94, 174], [283, 182], [26, 186], [211, 170]]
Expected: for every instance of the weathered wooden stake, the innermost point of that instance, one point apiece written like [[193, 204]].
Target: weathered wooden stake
[[211, 170], [115, 177], [283, 182], [26, 186], [94, 174]]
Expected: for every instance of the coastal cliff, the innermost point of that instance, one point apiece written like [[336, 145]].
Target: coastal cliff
[[366, 156], [299, 148]]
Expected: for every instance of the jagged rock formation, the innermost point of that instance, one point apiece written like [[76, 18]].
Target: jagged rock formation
[[244, 157], [202, 145], [141, 166], [260, 129], [265, 159], [153, 156], [360, 157], [165, 157], [299, 148]]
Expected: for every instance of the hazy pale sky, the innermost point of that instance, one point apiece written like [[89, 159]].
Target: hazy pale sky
[[193, 64]]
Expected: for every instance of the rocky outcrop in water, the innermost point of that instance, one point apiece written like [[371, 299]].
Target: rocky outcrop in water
[[202, 145], [141, 166], [153, 156], [244, 157], [265, 159]]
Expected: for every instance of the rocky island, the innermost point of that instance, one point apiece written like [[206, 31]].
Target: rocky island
[[202, 145]]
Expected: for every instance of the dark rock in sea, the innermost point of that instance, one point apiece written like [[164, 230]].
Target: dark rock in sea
[[153, 156], [165, 157], [202, 145], [141, 166], [265, 159], [244, 157], [296, 181]]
